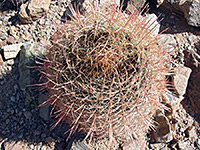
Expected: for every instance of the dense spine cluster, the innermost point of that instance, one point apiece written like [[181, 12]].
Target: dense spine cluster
[[106, 74]]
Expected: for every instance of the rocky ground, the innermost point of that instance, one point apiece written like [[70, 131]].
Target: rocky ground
[[24, 125]]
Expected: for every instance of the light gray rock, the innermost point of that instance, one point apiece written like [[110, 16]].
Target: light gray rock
[[180, 79], [11, 51], [167, 40]]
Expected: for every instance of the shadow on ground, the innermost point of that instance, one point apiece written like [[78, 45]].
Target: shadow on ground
[[172, 21], [192, 101], [20, 121]]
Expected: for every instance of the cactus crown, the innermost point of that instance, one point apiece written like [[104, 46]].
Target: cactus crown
[[105, 74]]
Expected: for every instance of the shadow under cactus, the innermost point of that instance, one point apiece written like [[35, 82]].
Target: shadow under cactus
[[21, 121]]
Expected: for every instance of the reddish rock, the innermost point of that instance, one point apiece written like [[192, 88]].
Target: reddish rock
[[23, 16], [33, 10], [38, 8]]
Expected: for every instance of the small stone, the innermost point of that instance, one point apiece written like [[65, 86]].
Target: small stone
[[12, 30], [3, 43], [172, 17], [36, 133], [34, 125], [163, 131], [12, 98], [43, 135], [10, 40], [10, 62], [20, 114], [31, 146], [9, 68], [27, 114]]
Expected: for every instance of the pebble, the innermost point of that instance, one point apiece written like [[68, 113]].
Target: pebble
[[27, 114], [12, 98], [10, 40], [36, 133], [12, 30], [43, 135]]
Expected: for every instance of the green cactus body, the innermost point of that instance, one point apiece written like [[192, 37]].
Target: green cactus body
[[105, 74]]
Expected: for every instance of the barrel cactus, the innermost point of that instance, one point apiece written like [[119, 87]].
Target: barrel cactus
[[105, 74]]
